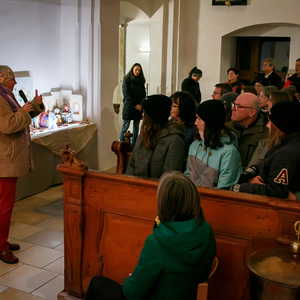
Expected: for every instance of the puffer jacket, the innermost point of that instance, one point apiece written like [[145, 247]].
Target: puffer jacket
[[134, 93], [214, 168]]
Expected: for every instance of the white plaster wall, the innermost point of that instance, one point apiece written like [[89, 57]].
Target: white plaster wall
[[218, 21], [30, 35]]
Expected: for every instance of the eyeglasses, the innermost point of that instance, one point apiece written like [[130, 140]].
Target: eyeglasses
[[174, 105], [262, 96], [237, 106]]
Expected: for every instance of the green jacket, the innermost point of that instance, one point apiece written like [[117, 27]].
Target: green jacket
[[175, 258]]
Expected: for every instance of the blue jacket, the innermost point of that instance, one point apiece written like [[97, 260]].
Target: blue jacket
[[214, 168]]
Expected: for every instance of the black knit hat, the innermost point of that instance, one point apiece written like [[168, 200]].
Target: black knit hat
[[158, 108], [285, 116], [212, 112]]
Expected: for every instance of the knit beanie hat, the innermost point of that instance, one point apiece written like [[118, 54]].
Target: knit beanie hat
[[158, 108], [6, 74], [212, 112], [285, 116]]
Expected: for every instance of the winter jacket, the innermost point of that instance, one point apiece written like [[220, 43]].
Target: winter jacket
[[134, 93], [275, 79], [249, 137], [214, 168], [192, 86], [174, 259], [167, 155], [279, 170], [236, 86], [292, 79], [15, 156]]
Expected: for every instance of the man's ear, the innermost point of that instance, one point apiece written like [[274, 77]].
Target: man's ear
[[252, 113]]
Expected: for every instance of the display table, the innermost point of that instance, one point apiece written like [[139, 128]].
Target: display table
[[46, 146]]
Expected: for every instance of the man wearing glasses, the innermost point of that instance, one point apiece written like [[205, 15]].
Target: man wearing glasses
[[220, 90], [249, 124], [268, 68]]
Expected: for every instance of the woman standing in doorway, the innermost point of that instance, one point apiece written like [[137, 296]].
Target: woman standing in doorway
[[191, 84], [134, 92]]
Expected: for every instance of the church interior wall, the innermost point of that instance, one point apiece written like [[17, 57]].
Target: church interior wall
[[64, 44]]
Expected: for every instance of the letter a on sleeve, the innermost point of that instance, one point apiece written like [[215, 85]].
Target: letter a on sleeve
[[282, 177]]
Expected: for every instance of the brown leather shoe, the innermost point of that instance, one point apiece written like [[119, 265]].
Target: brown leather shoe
[[13, 247], [7, 257]]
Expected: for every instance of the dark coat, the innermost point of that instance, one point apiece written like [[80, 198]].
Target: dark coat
[[275, 80], [192, 86], [248, 138], [134, 93], [279, 170], [168, 154]]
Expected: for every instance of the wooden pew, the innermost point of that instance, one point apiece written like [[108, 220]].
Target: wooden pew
[[123, 151], [107, 218]]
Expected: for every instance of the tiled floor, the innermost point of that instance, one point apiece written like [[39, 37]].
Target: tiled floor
[[40, 271]]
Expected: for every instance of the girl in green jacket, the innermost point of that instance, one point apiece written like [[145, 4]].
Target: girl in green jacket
[[176, 257]]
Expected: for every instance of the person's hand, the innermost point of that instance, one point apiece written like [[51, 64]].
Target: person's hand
[[257, 179], [38, 98], [28, 107], [292, 196], [138, 107]]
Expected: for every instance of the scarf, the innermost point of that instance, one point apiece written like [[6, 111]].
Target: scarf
[[7, 94]]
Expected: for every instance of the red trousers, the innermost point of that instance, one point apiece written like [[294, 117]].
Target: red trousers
[[7, 201]]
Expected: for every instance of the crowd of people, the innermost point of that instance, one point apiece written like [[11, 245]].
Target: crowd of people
[[233, 141]]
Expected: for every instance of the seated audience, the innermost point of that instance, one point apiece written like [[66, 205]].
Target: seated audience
[[269, 69], [183, 111], [264, 98], [291, 90], [236, 84], [249, 89], [249, 124], [279, 172], [220, 90], [261, 149], [295, 78], [176, 256], [228, 101], [191, 84], [259, 83], [160, 145], [213, 160]]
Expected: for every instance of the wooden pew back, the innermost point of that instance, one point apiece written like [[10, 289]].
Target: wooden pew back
[[107, 218]]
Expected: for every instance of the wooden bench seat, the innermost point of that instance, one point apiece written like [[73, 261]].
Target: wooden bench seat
[[107, 218]]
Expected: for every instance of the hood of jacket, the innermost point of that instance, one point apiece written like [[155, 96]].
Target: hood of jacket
[[172, 128], [187, 240]]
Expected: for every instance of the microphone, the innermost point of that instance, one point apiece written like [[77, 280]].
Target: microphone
[[22, 95]]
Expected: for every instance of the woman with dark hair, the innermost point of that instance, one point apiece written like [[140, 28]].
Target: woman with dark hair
[[191, 84], [233, 80], [176, 256], [183, 111], [278, 173], [213, 160], [160, 145], [134, 92]]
